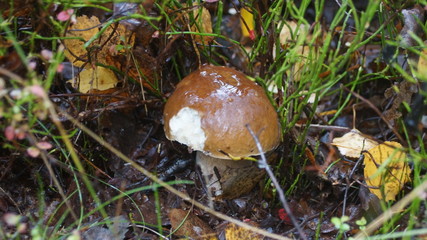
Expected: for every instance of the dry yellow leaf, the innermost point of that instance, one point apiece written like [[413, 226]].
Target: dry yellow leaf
[[353, 143], [202, 24], [235, 232], [99, 78], [386, 170]]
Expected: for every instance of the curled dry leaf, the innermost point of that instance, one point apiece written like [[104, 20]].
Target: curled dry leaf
[[353, 143], [189, 225], [386, 170]]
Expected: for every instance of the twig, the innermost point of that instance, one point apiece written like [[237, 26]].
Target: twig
[[348, 184], [151, 230], [324, 127], [11, 199], [270, 173]]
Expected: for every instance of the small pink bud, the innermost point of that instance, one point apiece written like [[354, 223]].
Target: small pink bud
[[32, 65], [60, 68], [38, 91], [33, 152], [252, 34], [156, 34], [11, 219], [65, 15], [20, 133], [44, 145], [9, 133], [46, 54]]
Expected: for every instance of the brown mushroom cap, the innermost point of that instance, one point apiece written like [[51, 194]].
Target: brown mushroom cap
[[210, 109]]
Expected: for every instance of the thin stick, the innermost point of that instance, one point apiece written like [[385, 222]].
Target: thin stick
[[348, 184], [270, 173]]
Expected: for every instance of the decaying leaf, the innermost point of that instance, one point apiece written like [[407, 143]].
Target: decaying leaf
[[353, 143], [386, 170], [75, 51], [400, 93], [189, 225], [83, 30], [234, 232]]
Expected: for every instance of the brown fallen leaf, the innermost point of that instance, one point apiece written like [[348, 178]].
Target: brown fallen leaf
[[353, 143], [186, 224], [386, 170]]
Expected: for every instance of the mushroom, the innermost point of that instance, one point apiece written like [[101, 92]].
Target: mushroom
[[209, 112]]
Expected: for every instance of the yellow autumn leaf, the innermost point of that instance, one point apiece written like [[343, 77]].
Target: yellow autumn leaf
[[386, 170], [353, 143], [98, 78], [235, 232], [246, 22]]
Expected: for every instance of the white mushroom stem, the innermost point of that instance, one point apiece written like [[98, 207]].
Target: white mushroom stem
[[216, 171]]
